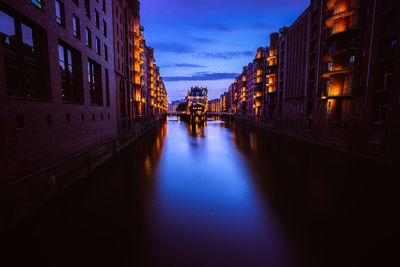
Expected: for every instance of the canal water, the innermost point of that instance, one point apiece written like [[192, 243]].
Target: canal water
[[223, 194]]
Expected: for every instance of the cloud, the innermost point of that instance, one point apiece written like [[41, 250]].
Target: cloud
[[202, 76], [173, 47], [226, 55], [184, 65]]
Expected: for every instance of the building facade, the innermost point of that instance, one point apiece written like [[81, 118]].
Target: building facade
[[72, 93], [56, 77], [330, 77]]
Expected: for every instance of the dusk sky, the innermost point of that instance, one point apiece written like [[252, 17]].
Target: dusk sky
[[206, 43]]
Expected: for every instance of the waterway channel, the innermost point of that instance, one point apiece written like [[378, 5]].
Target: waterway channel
[[226, 194]]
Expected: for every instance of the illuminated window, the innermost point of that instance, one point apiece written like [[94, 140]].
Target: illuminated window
[[98, 47], [97, 19], [88, 38], [76, 27], [337, 6], [60, 12], [71, 81], [38, 3]]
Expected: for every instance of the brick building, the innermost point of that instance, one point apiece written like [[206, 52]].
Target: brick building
[[214, 106], [56, 75], [331, 77], [72, 93]]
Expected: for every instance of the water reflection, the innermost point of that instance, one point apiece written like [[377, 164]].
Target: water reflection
[[221, 195], [206, 211]]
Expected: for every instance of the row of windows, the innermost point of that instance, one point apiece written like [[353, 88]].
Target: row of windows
[[70, 61], [27, 71], [60, 17], [40, 4], [20, 119]]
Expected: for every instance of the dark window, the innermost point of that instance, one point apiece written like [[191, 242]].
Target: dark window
[[76, 27], [24, 46], [105, 52], [20, 122], [49, 120], [68, 118], [105, 28], [102, 116], [88, 38], [38, 3], [98, 46], [107, 78], [93, 117], [95, 86], [82, 117], [60, 12], [76, 2], [122, 99], [71, 78], [87, 8], [97, 19], [104, 6]]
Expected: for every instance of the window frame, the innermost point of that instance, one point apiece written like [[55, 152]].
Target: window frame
[[88, 36], [61, 8], [76, 22]]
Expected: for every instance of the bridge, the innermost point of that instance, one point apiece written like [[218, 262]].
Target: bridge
[[222, 115]]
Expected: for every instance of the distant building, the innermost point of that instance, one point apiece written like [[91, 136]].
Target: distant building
[[214, 106]]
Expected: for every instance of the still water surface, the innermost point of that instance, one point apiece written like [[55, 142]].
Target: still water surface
[[221, 195]]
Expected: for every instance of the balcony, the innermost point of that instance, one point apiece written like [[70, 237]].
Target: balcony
[[271, 89], [331, 20], [333, 72], [334, 52], [349, 32], [337, 92]]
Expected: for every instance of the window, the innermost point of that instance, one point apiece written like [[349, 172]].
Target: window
[[107, 87], [38, 3], [71, 77], [394, 43], [87, 8], [76, 2], [98, 47], [97, 19], [104, 6], [95, 86], [104, 28], [49, 120], [24, 47], [387, 81], [76, 27], [60, 12], [88, 38], [352, 59], [105, 52]]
